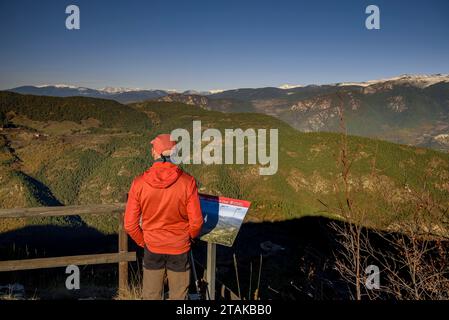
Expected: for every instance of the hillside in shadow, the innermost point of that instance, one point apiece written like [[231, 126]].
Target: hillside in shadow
[[298, 261], [43, 240], [289, 250]]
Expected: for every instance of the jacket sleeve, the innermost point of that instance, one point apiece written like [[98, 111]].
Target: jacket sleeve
[[194, 211], [132, 216]]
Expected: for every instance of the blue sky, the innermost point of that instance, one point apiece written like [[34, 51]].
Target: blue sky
[[218, 44]]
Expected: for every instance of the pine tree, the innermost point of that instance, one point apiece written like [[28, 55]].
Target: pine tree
[[3, 120]]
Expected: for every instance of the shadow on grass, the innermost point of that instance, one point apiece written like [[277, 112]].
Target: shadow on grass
[[298, 260], [291, 250], [39, 241], [300, 244]]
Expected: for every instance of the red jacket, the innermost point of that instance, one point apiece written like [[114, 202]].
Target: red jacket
[[166, 201]]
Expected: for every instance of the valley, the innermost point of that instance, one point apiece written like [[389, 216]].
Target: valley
[[87, 157]]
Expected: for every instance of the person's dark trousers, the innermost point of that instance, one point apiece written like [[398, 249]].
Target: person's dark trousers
[[156, 266]]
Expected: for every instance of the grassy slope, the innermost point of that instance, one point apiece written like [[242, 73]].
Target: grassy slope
[[85, 163], [307, 167], [108, 112]]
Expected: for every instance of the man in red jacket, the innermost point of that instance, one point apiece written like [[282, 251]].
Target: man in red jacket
[[162, 215]]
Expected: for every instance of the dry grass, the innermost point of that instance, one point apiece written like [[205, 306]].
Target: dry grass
[[133, 292], [14, 297]]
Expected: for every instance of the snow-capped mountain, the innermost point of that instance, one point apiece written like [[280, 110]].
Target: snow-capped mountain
[[419, 81], [215, 91], [126, 95], [114, 90], [123, 95], [68, 86], [290, 86], [201, 93], [58, 90]]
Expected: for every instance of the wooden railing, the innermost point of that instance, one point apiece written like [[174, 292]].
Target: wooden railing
[[122, 257]]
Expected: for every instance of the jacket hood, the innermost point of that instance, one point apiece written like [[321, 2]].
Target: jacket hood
[[162, 175]]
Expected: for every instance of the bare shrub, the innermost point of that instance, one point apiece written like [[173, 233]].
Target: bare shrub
[[411, 253]]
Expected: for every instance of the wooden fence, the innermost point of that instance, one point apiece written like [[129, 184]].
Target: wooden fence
[[122, 257]]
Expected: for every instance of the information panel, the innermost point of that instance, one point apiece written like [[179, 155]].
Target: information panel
[[223, 218]]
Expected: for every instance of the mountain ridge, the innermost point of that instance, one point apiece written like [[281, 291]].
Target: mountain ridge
[[408, 109], [417, 79]]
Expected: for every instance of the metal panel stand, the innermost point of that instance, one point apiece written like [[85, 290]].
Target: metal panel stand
[[210, 269]]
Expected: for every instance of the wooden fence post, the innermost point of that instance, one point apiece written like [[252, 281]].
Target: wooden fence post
[[122, 248]]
